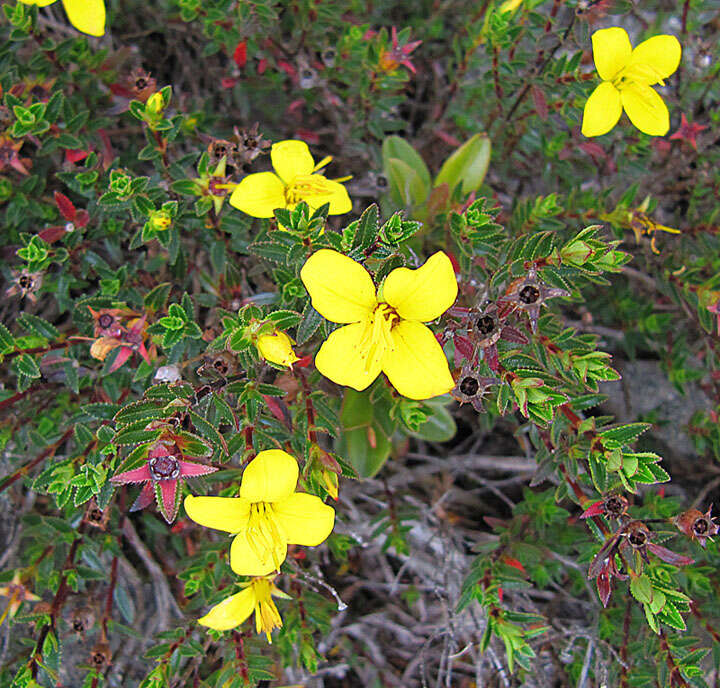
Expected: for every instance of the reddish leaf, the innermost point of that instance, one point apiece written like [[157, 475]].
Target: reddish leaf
[[82, 218], [188, 469], [120, 359], [240, 54], [669, 556], [262, 66], [595, 509], [541, 106], [279, 409], [74, 156], [136, 475], [510, 561], [52, 234], [464, 347], [65, 206], [604, 586], [167, 502], [146, 496]]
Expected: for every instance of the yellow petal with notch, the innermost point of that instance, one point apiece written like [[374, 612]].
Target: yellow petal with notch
[[304, 519], [341, 290], [346, 357], [271, 476], [230, 514], [425, 293], [87, 16], [611, 51], [646, 109], [416, 366], [661, 53], [291, 159], [258, 195]]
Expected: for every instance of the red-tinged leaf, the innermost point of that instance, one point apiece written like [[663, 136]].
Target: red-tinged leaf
[[82, 218], [240, 54], [603, 557], [73, 156], [303, 362], [464, 347], [262, 66], [146, 496], [188, 469], [120, 359], [668, 556], [279, 409], [295, 105], [166, 493], [143, 352], [604, 586], [595, 509], [136, 475], [511, 334], [287, 68], [65, 206], [52, 234], [228, 82], [510, 561], [593, 149], [307, 136], [541, 106], [180, 526], [447, 138], [120, 90], [501, 594]]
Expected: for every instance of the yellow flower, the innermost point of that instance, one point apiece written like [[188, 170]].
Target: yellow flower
[[257, 597], [628, 76], [384, 331], [87, 16], [277, 348], [267, 516], [295, 179]]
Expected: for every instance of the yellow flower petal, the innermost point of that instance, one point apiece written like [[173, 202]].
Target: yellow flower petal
[[87, 16], [259, 194], [602, 110], [271, 476], [416, 366], [277, 348], [304, 519], [661, 53], [328, 191], [425, 293], [343, 357], [341, 290], [646, 109], [230, 514], [245, 562], [231, 612], [39, 3], [290, 159], [611, 51]]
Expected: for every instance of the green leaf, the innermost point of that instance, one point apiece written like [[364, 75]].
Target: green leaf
[[395, 147], [363, 441], [467, 165], [38, 326], [406, 186]]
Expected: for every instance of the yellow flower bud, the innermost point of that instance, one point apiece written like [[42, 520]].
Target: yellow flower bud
[[277, 348], [155, 104], [330, 482]]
